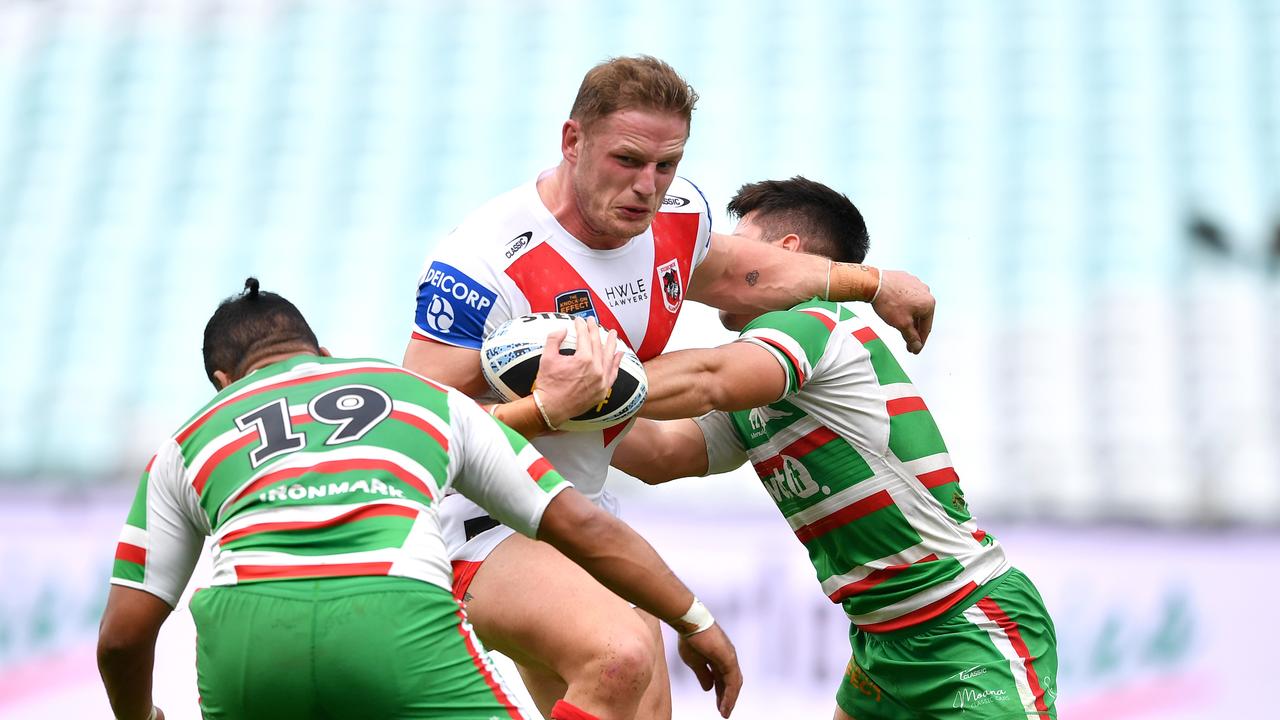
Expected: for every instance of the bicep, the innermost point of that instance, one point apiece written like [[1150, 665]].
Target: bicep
[[656, 452], [449, 364]]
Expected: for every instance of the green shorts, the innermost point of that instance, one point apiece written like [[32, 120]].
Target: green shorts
[[342, 648], [994, 656]]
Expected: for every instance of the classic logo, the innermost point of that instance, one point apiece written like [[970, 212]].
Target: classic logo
[[672, 288], [577, 303], [518, 243], [675, 201]]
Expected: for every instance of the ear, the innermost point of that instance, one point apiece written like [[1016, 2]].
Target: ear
[[324, 352], [221, 379], [571, 140], [789, 242]]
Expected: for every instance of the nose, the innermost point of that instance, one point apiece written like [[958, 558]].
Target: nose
[[646, 180]]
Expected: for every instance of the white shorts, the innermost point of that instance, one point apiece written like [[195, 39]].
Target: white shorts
[[470, 535]]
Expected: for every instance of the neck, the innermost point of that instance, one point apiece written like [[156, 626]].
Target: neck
[[556, 192], [258, 362]]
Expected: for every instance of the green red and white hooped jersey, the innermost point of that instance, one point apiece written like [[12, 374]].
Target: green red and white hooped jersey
[[324, 467], [512, 257], [854, 460]]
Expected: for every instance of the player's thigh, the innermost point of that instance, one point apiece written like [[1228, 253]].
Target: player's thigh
[[248, 648], [404, 651], [539, 608]]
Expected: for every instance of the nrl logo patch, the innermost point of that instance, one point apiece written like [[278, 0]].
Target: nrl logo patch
[[576, 302], [672, 288]]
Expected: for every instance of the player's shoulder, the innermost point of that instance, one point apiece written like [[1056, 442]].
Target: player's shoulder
[[684, 197], [497, 231]]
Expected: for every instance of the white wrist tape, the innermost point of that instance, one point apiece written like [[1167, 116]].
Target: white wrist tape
[[543, 411], [879, 284], [697, 619], [826, 294]]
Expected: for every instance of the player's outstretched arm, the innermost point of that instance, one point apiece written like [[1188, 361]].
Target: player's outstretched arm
[[127, 649], [622, 561], [745, 276], [657, 452], [688, 383]]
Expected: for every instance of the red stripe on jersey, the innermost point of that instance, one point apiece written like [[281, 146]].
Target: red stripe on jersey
[[844, 516], [904, 405], [190, 430], [938, 477], [360, 513], [422, 425], [996, 614], [150, 462], [478, 659], [928, 612], [542, 274], [874, 578], [335, 466], [612, 432], [795, 364], [272, 572], [865, 335], [419, 336], [831, 324], [539, 468], [216, 459], [675, 237], [131, 553], [806, 444]]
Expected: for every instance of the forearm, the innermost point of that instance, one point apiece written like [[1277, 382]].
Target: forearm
[[682, 384], [753, 277], [522, 416], [657, 452], [622, 561], [126, 671]]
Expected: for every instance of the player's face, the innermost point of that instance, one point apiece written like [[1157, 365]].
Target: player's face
[[625, 163], [747, 230]]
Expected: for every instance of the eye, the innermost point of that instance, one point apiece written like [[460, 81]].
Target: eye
[[666, 167], [627, 160]]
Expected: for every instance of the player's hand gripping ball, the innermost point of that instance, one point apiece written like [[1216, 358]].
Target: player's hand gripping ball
[[511, 355]]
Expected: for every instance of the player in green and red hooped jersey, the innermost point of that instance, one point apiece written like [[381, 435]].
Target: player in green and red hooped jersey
[[851, 455], [317, 480]]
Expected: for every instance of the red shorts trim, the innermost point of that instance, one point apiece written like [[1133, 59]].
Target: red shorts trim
[[464, 571]]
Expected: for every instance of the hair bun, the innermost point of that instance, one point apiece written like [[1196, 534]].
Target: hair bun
[[251, 287]]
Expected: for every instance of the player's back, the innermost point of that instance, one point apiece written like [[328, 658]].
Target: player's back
[[854, 460], [321, 467]]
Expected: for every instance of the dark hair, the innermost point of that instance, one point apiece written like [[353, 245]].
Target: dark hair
[[826, 221], [641, 82], [253, 324]]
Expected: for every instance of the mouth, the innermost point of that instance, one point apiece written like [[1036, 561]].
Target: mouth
[[634, 212]]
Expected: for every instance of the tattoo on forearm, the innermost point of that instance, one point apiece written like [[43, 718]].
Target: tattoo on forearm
[[753, 277]]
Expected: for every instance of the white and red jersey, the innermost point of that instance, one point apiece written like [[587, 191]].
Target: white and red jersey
[[511, 257]]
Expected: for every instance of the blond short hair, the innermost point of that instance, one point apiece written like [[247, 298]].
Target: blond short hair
[[641, 82]]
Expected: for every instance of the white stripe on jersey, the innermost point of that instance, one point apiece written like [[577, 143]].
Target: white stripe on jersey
[[306, 369], [303, 514], [784, 437], [897, 391], [864, 489], [353, 452], [911, 555], [422, 414], [1017, 666], [133, 536], [976, 574], [928, 463]]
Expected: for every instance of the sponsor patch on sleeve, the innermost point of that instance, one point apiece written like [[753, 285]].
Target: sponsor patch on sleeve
[[452, 306]]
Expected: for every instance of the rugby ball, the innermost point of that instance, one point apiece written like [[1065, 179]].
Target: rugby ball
[[511, 356]]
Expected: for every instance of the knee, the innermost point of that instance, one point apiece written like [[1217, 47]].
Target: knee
[[624, 666]]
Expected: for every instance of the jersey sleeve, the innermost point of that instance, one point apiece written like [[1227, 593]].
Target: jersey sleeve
[[725, 450], [796, 338], [498, 469], [163, 534], [460, 298], [697, 202]]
